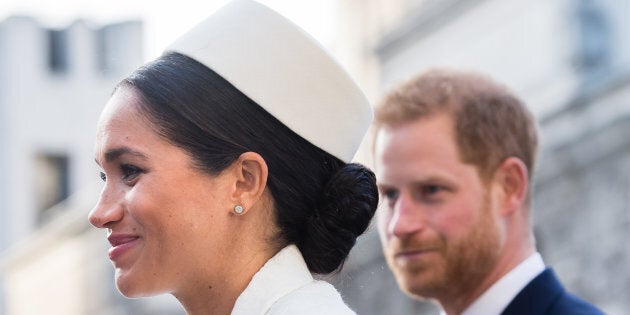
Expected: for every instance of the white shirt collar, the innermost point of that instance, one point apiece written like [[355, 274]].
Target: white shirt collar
[[279, 276], [502, 292]]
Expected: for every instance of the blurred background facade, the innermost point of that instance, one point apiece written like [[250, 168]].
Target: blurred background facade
[[569, 60]]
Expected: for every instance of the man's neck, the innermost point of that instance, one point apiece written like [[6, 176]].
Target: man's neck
[[505, 264], [500, 294]]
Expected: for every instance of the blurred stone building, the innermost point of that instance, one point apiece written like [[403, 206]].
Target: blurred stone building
[[569, 60]]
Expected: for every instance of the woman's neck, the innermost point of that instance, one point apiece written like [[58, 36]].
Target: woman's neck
[[217, 293]]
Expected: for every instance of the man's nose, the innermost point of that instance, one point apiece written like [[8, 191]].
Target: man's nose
[[407, 218]]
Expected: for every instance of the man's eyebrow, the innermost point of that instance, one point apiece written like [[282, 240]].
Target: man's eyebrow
[[115, 153]]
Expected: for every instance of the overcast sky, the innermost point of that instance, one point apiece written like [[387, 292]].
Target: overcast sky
[[164, 20]]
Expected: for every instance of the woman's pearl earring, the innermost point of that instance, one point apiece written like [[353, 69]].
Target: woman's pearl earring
[[238, 209]]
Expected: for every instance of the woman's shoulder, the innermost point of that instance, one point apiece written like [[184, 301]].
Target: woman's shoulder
[[317, 297]]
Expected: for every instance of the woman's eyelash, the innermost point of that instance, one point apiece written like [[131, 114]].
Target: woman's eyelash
[[130, 172], [127, 171]]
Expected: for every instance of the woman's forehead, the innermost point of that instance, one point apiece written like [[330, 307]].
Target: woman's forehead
[[123, 101], [121, 123]]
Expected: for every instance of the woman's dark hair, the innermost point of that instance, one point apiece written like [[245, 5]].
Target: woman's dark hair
[[321, 203]]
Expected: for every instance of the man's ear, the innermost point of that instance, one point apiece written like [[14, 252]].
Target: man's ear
[[251, 180], [513, 180]]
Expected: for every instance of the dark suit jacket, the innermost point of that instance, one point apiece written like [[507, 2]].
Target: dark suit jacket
[[545, 295]]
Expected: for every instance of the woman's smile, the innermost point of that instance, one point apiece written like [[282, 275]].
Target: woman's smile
[[121, 243]]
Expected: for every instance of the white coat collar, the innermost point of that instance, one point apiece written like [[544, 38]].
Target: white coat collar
[[282, 274]]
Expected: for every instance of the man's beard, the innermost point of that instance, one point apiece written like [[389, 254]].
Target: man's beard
[[462, 266]]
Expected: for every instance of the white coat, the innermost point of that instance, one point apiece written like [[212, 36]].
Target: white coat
[[284, 285]]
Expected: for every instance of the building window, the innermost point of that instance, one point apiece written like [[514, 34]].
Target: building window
[[102, 52], [51, 180], [57, 51], [108, 50], [118, 48], [594, 46]]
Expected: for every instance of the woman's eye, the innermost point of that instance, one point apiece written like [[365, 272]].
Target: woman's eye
[[130, 172], [103, 176]]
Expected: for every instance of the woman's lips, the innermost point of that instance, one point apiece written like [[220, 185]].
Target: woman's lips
[[121, 243]]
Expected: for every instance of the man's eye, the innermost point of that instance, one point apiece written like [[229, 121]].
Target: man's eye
[[431, 193], [432, 189], [103, 176], [390, 194]]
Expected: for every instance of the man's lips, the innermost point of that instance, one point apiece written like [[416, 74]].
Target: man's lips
[[121, 243], [408, 254]]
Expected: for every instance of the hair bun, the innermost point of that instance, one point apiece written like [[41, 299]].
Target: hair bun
[[349, 201]]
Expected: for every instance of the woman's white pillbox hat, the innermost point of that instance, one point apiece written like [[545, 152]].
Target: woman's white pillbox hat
[[284, 70]]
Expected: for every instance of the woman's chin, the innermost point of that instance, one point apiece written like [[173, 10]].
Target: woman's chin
[[131, 288], [133, 292], [128, 290]]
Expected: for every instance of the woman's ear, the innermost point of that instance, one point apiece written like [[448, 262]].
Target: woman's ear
[[251, 180], [513, 180]]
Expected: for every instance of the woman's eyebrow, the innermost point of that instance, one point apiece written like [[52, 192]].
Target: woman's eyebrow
[[114, 154]]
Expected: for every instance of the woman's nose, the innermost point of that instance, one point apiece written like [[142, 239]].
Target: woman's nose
[[107, 210]]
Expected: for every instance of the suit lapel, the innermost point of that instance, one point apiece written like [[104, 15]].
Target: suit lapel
[[537, 296]]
